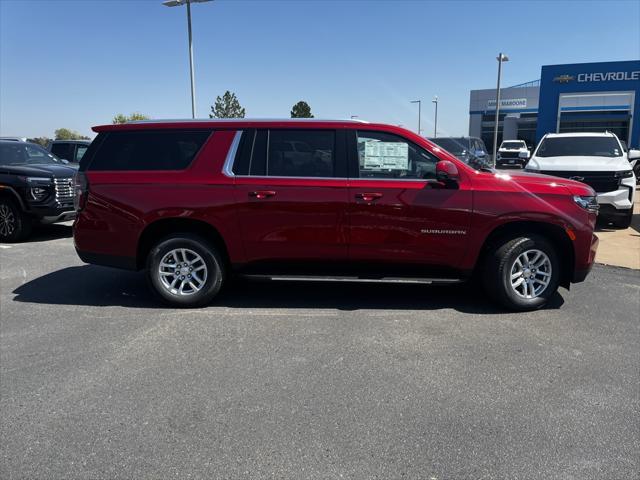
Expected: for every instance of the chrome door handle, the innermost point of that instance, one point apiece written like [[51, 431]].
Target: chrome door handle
[[369, 196], [262, 194]]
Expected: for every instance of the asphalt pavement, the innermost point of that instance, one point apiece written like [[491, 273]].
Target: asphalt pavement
[[307, 380]]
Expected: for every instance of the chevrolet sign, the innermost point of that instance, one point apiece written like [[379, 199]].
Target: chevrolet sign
[[564, 78], [608, 76]]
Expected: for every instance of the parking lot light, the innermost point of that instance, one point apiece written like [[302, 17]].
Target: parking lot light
[[419, 102], [501, 58], [435, 123], [178, 3]]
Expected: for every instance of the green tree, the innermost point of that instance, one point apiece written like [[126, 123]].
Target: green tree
[[42, 141], [66, 134], [301, 110], [227, 106], [120, 118]]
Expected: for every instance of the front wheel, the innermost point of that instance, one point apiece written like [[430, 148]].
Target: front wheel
[[14, 224], [185, 270], [522, 273]]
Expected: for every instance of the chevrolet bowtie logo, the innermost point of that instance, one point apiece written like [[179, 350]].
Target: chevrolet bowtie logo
[[564, 78]]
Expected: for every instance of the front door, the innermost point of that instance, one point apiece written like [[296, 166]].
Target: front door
[[401, 218], [292, 196]]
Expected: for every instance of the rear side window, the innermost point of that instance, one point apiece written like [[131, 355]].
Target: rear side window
[[301, 153], [63, 150], [149, 150], [289, 153]]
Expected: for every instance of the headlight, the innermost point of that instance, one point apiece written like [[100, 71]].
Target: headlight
[[624, 174], [588, 203], [38, 193], [39, 180]]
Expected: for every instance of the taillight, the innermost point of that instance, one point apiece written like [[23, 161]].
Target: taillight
[[81, 186]]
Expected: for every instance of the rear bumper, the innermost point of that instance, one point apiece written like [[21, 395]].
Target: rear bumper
[[125, 263]]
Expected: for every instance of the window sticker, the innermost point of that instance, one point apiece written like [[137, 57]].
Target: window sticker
[[386, 155]]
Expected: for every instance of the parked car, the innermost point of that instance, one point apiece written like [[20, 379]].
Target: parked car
[[597, 159], [71, 150], [634, 160], [192, 202], [35, 187], [512, 153], [470, 150]]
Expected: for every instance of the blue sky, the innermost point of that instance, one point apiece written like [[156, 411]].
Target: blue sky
[[76, 63]]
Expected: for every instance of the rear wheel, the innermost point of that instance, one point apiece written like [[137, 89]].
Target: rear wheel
[[185, 270], [14, 224], [522, 273]]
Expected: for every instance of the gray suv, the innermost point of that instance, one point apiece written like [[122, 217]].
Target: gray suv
[[471, 150], [70, 150]]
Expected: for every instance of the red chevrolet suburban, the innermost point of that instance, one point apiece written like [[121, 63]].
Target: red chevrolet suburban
[[194, 201]]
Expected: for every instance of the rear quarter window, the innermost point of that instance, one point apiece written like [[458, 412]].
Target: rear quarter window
[[148, 150]]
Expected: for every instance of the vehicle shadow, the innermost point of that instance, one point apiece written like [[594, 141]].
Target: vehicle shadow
[[98, 286], [44, 233]]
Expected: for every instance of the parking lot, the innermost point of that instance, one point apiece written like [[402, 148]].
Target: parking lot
[[310, 380]]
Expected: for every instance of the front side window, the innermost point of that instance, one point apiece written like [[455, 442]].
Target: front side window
[[579, 146], [300, 153], [148, 150], [385, 155]]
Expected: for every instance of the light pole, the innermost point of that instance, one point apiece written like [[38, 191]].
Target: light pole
[[435, 123], [501, 58], [177, 3], [419, 102]]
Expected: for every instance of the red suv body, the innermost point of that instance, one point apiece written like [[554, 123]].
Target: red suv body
[[321, 197]]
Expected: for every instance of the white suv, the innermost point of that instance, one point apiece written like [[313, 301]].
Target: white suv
[[596, 159], [512, 153]]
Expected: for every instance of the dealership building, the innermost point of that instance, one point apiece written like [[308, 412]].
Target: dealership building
[[581, 97]]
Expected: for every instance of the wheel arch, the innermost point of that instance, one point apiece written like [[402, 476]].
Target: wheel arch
[[9, 192], [167, 226], [552, 232]]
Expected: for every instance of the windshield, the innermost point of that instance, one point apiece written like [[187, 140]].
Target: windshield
[[20, 153], [579, 146], [512, 145], [452, 145]]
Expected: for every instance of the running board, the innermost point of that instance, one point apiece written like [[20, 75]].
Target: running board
[[306, 278]]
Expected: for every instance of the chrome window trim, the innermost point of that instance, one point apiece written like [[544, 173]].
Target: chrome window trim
[[227, 168], [423, 180]]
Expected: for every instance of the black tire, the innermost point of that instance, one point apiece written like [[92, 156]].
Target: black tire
[[623, 221], [14, 224], [215, 277], [497, 272]]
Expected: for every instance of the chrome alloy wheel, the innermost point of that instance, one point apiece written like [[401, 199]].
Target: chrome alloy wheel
[[530, 273], [7, 221], [182, 272]]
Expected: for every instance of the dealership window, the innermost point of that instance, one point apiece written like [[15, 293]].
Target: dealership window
[[384, 155], [614, 122]]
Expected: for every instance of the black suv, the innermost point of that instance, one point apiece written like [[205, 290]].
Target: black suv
[[35, 187]]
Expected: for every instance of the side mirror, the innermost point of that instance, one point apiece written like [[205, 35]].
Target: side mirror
[[447, 172], [524, 155], [632, 155], [64, 160]]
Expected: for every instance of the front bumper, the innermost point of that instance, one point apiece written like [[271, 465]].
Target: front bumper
[[620, 199], [583, 268]]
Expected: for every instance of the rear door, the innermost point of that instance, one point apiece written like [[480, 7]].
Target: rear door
[[401, 218], [292, 196]]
